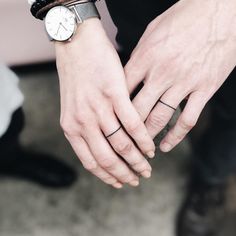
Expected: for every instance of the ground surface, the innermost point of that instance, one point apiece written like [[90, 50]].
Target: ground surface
[[89, 208]]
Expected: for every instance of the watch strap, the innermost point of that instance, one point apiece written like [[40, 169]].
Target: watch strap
[[41, 13], [84, 11]]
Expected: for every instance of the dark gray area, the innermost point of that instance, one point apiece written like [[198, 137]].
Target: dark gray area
[[89, 207]]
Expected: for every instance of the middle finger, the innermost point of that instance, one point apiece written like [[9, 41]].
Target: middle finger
[[164, 110], [124, 146], [107, 158]]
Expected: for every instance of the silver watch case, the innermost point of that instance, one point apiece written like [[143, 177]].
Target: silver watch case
[[82, 12]]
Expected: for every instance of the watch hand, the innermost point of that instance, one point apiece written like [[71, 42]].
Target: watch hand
[[64, 27], [58, 29]]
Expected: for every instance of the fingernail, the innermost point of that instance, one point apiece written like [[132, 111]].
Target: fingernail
[[134, 183], [151, 154], [146, 174], [118, 185], [166, 147]]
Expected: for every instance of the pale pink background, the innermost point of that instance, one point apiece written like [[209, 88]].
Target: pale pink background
[[23, 39]]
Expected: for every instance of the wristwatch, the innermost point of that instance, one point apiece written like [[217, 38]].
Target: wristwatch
[[61, 22]]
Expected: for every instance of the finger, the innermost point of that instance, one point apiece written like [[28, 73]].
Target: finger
[[133, 124], [164, 110], [158, 119], [107, 158], [82, 151], [152, 90], [124, 146], [185, 123], [146, 99]]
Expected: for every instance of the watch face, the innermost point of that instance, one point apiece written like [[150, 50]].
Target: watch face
[[60, 23]]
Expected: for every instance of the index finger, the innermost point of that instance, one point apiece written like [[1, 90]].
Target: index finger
[[185, 123], [132, 123]]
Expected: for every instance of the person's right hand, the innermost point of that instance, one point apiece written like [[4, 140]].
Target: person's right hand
[[95, 102]]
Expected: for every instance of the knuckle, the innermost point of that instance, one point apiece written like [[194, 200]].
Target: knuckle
[[126, 178], [70, 126], [141, 166], [91, 166], [81, 120], [107, 163], [174, 137], [133, 127], [110, 180], [109, 92], [124, 148], [66, 126], [187, 123], [156, 120], [148, 52], [151, 25]]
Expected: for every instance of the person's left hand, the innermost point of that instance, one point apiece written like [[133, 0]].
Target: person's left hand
[[187, 52]]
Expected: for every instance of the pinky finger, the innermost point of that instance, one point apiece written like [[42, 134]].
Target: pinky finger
[[185, 123], [82, 151]]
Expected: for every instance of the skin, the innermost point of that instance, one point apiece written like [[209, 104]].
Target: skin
[[94, 101], [187, 52], [173, 60]]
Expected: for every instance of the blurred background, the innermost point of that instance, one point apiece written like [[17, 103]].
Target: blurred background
[[89, 207], [23, 38]]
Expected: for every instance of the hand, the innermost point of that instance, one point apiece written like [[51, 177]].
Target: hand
[[187, 52], [95, 102]]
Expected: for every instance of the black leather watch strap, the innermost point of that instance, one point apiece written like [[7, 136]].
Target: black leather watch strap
[[38, 5], [40, 8]]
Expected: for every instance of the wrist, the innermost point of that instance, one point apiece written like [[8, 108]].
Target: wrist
[[87, 29], [92, 25]]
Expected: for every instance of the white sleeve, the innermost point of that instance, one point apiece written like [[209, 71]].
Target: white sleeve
[[31, 1], [11, 97]]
